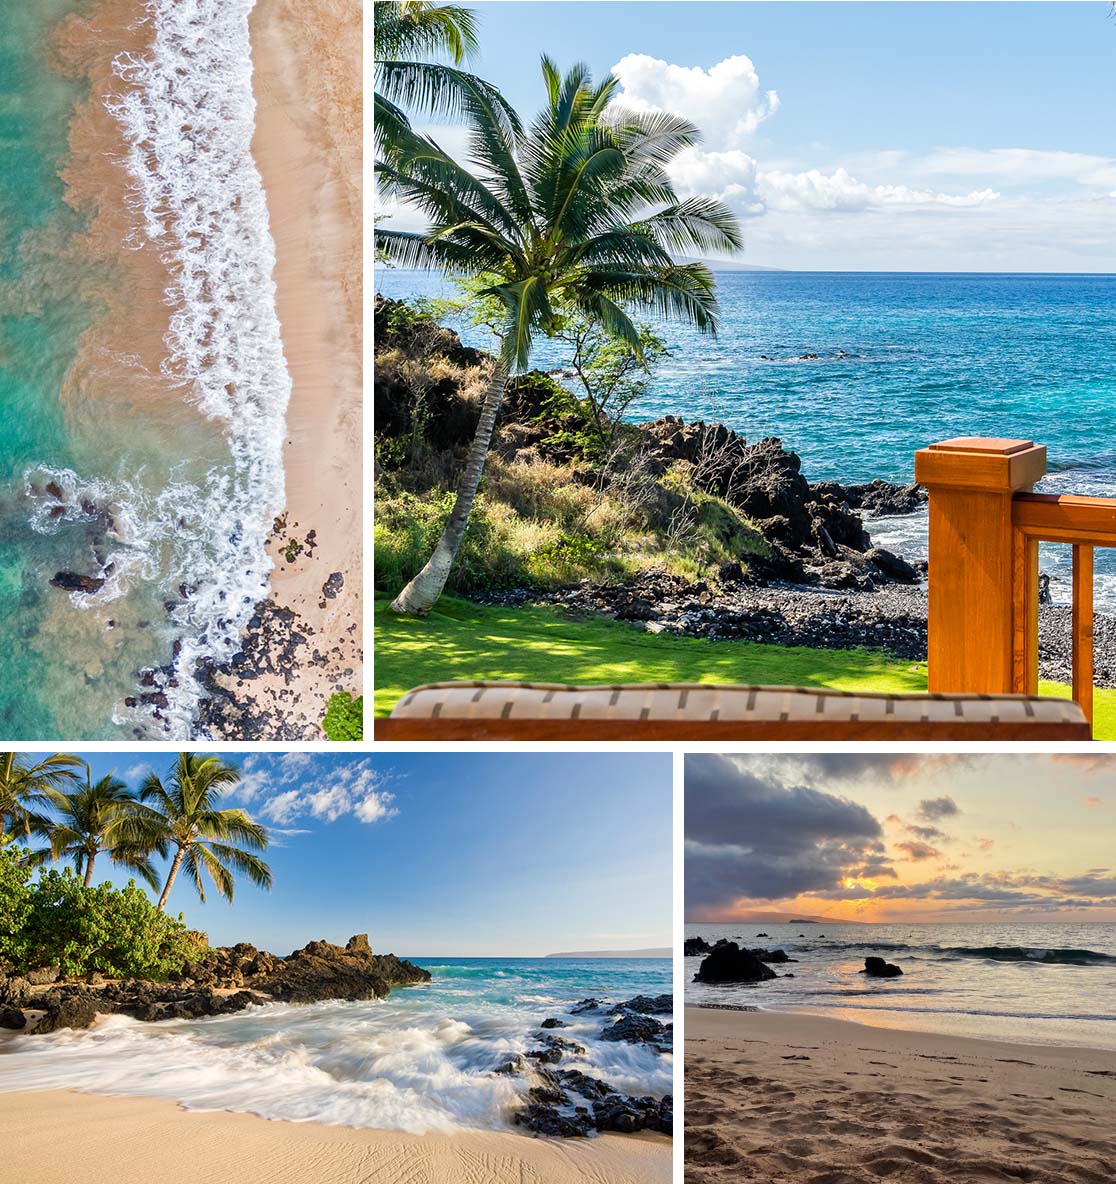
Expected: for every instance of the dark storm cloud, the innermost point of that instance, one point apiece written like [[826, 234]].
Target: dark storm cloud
[[748, 834], [933, 809], [926, 833]]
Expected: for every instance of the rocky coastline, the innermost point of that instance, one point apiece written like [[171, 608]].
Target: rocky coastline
[[565, 1102], [229, 979]]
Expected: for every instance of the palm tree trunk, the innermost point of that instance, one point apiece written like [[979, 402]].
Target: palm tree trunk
[[170, 877], [422, 593], [89, 867]]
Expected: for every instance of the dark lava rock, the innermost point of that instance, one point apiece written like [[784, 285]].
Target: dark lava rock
[[12, 1018], [333, 585], [879, 968], [635, 1029], [72, 581], [693, 946], [646, 1005], [553, 1023], [586, 1005], [554, 1048], [66, 1009], [728, 963]]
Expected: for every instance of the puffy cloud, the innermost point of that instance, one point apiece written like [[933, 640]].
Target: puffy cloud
[[931, 809], [815, 190], [916, 852], [298, 785], [750, 834], [725, 101]]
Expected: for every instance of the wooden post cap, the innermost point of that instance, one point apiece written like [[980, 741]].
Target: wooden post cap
[[989, 464]]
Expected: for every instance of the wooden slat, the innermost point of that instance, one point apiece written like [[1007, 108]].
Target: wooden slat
[[1024, 614], [1083, 629], [715, 731], [1066, 518]]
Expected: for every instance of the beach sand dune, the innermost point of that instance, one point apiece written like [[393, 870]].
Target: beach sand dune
[[70, 1138], [800, 1099]]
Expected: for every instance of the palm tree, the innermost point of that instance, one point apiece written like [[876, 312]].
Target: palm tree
[[95, 819], [183, 814], [27, 786], [577, 214], [406, 33]]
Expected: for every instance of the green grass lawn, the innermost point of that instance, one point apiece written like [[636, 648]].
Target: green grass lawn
[[461, 640]]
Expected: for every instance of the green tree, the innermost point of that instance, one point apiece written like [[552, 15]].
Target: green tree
[[183, 815], [578, 213], [27, 787], [406, 35], [95, 819]]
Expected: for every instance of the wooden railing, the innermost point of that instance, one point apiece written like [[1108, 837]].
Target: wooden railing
[[985, 530]]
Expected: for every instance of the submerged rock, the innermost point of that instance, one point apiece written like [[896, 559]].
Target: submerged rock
[[72, 581]]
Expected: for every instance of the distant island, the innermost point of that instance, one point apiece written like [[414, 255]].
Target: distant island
[[653, 952], [726, 264]]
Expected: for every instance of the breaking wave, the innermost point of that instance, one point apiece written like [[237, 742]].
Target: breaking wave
[[187, 114]]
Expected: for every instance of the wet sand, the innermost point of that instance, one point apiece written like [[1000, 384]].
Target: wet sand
[[802, 1099], [307, 146], [152, 1141]]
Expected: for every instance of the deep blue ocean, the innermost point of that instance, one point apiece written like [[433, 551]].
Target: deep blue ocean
[[901, 361]]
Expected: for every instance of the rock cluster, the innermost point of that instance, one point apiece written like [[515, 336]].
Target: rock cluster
[[569, 1103], [229, 979], [880, 968], [728, 963]]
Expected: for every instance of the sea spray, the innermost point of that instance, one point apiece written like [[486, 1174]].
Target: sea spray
[[187, 113]]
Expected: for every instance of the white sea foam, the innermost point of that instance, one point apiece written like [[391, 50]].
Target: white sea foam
[[187, 114], [391, 1065]]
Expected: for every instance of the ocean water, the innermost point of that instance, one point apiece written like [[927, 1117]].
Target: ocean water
[[420, 1060], [1048, 983], [162, 480], [901, 361]]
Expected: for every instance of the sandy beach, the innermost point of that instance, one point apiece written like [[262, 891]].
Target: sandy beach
[[307, 146], [153, 1141], [803, 1099]]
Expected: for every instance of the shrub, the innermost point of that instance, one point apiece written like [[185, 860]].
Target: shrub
[[15, 904], [344, 717], [115, 931]]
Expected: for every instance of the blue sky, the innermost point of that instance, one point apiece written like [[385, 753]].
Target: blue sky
[[458, 854], [871, 136]]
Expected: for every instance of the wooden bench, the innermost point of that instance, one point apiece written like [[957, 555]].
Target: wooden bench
[[713, 712]]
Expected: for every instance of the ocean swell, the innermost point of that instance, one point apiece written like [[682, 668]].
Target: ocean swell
[[187, 114]]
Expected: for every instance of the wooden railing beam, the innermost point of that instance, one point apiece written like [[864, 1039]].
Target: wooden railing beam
[[974, 642], [1082, 623]]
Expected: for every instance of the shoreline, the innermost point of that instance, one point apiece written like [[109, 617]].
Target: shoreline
[[220, 1145], [888, 1102], [304, 641]]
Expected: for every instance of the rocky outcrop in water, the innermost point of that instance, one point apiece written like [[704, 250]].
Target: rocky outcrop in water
[[229, 979], [728, 963], [570, 1103], [880, 968]]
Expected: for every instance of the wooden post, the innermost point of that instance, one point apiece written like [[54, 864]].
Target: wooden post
[[980, 580]]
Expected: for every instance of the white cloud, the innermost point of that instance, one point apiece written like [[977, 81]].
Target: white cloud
[[1017, 165], [838, 190], [349, 787], [725, 101], [137, 772]]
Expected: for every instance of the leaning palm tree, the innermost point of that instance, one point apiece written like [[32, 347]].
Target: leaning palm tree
[[183, 814], [27, 786], [95, 819], [577, 214], [407, 34]]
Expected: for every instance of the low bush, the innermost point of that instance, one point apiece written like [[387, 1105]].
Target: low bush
[[344, 717], [118, 932]]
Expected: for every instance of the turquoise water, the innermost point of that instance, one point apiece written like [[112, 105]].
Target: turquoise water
[[422, 1059], [902, 361], [1045, 983]]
